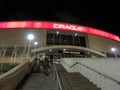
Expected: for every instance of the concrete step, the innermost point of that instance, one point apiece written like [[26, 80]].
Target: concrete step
[[39, 89], [80, 89], [75, 81], [60, 68], [69, 81], [39, 81]]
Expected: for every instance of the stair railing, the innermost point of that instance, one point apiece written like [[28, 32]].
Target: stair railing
[[57, 78], [98, 73]]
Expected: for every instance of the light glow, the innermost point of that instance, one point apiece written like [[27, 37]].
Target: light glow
[[113, 49], [57, 32], [35, 43], [75, 34], [30, 37], [50, 50]]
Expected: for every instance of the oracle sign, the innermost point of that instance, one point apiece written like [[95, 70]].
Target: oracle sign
[[71, 27], [57, 26], [84, 29]]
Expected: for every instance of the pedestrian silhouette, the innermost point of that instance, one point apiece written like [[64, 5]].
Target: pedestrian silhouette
[[46, 66]]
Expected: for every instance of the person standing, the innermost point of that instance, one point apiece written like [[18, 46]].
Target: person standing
[[41, 66], [46, 66], [36, 65]]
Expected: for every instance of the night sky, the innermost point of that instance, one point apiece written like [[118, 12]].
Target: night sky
[[100, 15]]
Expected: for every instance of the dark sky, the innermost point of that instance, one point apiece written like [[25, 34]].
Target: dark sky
[[100, 15]]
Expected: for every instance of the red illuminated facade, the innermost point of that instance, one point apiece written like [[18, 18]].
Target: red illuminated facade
[[57, 26]]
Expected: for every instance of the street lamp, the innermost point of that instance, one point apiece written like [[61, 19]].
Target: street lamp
[[114, 50], [35, 43], [30, 37]]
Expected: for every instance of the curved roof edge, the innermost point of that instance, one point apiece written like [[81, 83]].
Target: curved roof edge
[[68, 47], [57, 26]]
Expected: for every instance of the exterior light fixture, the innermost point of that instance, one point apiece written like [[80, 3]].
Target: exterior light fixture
[[35, 43], [114, 50], [30, 37], [57, 32]]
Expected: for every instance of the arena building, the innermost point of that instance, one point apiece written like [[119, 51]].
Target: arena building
[[60, 39]]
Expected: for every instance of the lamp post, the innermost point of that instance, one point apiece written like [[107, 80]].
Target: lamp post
[[30, 37], [35, 43], [114, 51]]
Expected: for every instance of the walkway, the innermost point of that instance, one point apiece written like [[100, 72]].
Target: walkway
[[74, 81], [38, 81], [69, 81]]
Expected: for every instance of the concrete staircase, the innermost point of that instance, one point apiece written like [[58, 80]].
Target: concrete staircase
[[69, 81], [74, 81], [39, 81]]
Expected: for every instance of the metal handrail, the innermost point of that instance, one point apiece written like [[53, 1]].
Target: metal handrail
[[94, 71], [57, 76]]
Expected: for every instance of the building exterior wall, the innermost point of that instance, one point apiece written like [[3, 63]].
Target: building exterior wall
[[18, 37], [103, 44]]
